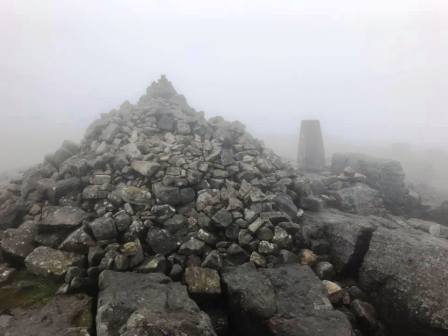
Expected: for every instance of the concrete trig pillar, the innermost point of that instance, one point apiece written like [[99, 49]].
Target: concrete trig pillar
[[311, 146]]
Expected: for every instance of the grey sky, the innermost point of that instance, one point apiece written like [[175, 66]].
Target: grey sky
[[370, 70]]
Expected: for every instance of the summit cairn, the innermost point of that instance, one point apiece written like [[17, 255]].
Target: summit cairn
[[311, 156]]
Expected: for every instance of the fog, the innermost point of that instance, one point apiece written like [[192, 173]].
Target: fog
[[373, 72]]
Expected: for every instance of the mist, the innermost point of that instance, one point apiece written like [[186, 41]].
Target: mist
[[373, 72]]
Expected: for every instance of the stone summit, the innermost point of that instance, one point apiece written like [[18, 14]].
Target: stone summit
[[163, 222]]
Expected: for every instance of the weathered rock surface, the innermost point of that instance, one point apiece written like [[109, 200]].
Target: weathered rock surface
[[147, 304], [46, 261], [18, 243], [406, 274], [289, 300]]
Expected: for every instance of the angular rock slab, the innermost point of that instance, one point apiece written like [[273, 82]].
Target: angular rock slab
[[50, 262], [285, 301], [18, 243], [65, 217], [406, 272], [347, 235], [147, 304]]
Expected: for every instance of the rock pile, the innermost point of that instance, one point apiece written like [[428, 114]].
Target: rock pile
[[187, 226]]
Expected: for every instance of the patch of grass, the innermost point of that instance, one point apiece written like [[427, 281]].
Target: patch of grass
[[25, 289]]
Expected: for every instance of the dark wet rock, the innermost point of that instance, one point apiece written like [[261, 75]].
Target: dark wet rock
[[104, 228], [324, 270], [161, 241], [192, 246], [146, 304], [18, 243], [283, 301], [46, 261], [79, 241]]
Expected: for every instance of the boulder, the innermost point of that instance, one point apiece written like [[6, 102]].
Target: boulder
[[147, 304], [360, 199], [286, 301], [405, 271]]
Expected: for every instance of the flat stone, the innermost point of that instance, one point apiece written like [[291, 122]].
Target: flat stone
[[50, 262], [66, 217], [135, 195]]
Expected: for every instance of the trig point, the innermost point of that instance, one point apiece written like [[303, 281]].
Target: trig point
[[311, 156]]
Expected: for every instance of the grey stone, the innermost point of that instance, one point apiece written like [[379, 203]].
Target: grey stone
[[46, 261], [145, 168], [104, 228], [161, 241], [202, 281], [56, 218], [146, 304]]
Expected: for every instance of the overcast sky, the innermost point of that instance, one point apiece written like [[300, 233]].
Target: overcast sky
[[371, 70]]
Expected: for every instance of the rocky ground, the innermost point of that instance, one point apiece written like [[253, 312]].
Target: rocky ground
[[162, 222]]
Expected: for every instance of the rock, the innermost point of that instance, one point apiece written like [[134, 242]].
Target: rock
[[360, 199], [173, 195], [307, 257], [134, 195], [387, 176], [161, 241], [366, 313], [155, 264], [50, 262], [258, 259], [104, 228], [348, 236], [213, 260], [61, 218], [95, 192], [405, 270], [284, 301], [334, 291], [18, 243], [324, 270], [202, 281], [78, 241], [6, 273], [147, 304], [68, 315], [312, 203], [222, 218], [311, 155], [265, 247], [285, 203], [192, 246], [166, 122], [145, 168]]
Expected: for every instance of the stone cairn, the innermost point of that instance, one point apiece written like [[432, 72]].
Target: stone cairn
[[153, 187], [311, 155]]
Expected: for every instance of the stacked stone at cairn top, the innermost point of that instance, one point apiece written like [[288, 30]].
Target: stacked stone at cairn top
[[311, 156]]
